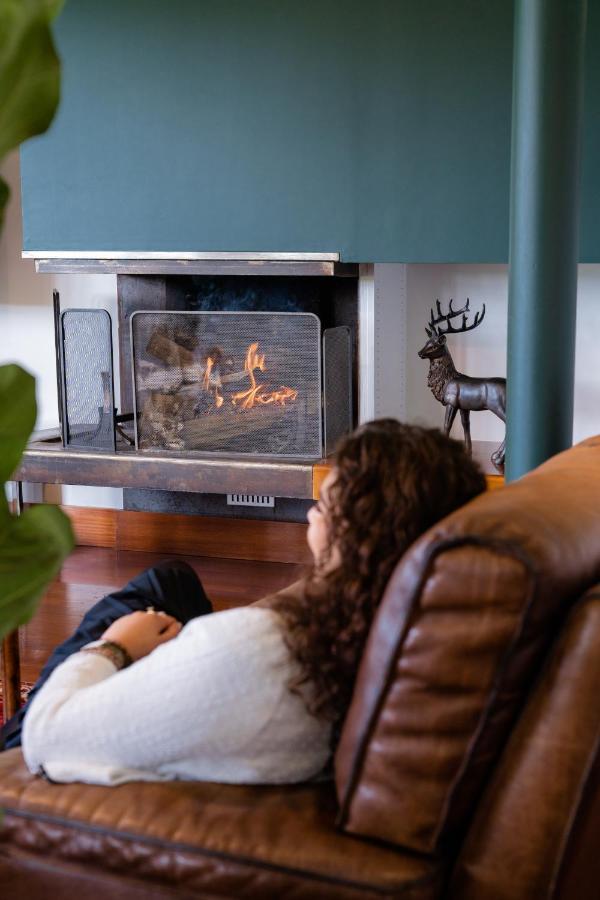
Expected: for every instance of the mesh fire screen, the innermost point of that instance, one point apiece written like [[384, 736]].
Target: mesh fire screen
[[337, 385], [87, 378], [228, 382]]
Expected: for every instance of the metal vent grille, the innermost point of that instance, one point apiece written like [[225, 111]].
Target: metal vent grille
[[337, 385], [250, 500], [88, 393], [228, 382]]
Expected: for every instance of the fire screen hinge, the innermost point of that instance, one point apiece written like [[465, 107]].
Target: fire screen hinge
[[250, 500]]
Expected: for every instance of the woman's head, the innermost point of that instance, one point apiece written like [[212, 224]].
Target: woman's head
[[389, 483]]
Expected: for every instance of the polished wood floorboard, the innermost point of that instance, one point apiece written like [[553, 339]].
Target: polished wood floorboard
[[91, 572]]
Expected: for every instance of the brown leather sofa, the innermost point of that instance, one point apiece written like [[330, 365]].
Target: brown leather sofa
[[468, 765]]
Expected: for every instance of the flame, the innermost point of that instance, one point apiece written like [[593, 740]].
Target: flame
[[254, 360], [206, 382], [280, 396], [207, 371], [255, 393]]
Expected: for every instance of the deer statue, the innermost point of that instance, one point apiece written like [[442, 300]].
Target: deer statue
[[456, 391]]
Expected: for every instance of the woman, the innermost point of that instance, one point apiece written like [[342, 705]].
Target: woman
[[255, 694]]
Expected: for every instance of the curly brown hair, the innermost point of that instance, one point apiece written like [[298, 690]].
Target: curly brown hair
[[392, 482]]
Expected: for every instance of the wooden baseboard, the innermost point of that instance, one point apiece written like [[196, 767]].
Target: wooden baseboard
[[93, 527], [190, 535]]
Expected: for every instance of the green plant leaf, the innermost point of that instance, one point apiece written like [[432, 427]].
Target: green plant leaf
[[29, 71], [4, 196], [53, 7], [34, 544], [32, 549], [17, 416]]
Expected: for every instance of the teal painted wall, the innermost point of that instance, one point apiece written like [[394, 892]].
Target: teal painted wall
[[378, 129]]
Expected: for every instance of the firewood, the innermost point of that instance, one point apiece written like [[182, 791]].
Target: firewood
[[150, 377], [173, 378], [174, 354], [161, 420], [168, 351], [220, 426]]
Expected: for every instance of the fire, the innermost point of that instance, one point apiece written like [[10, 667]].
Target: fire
[[254, 360], [256, 393], [280, 396], [207, 371], [207, 384]]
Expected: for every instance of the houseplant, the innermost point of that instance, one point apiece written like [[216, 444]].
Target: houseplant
[[33, 545], [29, 74]]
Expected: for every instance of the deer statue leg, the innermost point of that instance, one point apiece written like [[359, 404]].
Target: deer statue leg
[[465, 418], [498, 456], [499, 453], [449, 418]]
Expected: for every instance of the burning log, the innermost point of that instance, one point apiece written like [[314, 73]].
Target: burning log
[[150, 377], [183, 367]]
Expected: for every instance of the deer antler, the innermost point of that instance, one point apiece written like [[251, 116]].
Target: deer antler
[[446, 317]]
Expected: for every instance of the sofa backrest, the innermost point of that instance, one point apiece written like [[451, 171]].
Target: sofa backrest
[[462, 630], [535, 832]]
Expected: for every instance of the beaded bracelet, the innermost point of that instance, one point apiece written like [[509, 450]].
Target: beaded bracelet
[[112, 651]]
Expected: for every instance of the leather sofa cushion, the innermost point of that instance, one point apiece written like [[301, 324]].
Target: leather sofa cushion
[[207, 839], [541, 809], [462, 629]]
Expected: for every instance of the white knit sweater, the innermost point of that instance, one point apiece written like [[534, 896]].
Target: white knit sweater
[[212, 704]]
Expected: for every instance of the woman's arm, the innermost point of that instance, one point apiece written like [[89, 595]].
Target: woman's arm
[[139, 633], [192, 699]]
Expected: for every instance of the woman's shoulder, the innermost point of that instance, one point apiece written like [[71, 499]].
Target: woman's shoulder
[[283, 599], [233, 626], [242, 646]]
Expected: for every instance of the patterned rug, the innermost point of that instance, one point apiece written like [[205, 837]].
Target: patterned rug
[[25, 688]]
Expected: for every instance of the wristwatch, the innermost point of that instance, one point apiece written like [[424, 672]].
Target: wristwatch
[[112, 651]]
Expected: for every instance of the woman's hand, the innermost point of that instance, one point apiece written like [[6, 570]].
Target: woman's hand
[[141, 632]]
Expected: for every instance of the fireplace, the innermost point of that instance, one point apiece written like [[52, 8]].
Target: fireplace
[[366, 303], [244, 369]]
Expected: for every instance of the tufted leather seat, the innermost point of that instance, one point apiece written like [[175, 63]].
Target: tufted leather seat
[[469, 764], [233, 841]]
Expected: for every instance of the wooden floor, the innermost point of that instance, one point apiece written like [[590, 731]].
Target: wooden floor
[[92, 572]]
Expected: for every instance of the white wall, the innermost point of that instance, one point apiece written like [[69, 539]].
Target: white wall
[[382, 341], [483, 351], [26, 322], [479, 352]]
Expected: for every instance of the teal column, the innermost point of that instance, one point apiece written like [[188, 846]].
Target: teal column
[[544, 228]]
